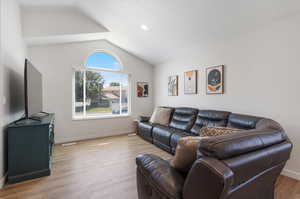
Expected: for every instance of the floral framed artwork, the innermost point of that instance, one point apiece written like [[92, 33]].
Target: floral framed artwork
[[190, 82], [173, 85], [142, 89], [215, 80]]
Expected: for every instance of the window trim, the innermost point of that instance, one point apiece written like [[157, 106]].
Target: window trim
[[93, 69], [78, 118], [96, 69]]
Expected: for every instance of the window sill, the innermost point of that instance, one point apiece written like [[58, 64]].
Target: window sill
[[76, 118]]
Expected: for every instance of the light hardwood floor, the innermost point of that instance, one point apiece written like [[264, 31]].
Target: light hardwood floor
[[103, 169]]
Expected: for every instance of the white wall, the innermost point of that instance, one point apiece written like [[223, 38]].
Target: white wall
[[13, 53], [49, 21], [1, 96], [55, 62], [261, 78]]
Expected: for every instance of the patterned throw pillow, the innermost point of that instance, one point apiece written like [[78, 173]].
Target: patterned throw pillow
[[216, 131]]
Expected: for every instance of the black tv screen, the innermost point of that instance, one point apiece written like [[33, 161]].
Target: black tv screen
[[33, 90]]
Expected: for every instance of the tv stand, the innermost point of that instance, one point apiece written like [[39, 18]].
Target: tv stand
[[30, 145], [45, 113], [36, 117], [28, 119]]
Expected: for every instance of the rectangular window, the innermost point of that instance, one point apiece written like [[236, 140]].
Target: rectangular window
[[100, 94]]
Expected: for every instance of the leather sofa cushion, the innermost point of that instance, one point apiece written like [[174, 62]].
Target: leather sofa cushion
[[268, 124], [145, 130], [227, 146], [162, 134], [209, 118], [163, 146], [239, 121], [166, 181], [257, 162], [183, 118], [145, 126], [176, 136]]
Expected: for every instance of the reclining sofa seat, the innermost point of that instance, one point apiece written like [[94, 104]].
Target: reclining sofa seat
[[181, 122], [244, 165], [145, 128]]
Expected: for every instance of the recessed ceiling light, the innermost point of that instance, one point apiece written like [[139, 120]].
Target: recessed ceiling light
[[144, 27]]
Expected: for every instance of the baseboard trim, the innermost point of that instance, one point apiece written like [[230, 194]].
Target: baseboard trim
[[91, 137], [291, 174], [3, 180]]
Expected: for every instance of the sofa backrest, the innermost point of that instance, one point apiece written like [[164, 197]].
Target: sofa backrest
[[209, 118], [183, 118], [192, 120], [245, 122]]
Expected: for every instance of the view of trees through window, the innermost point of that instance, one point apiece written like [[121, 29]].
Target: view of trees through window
[[100, 93]]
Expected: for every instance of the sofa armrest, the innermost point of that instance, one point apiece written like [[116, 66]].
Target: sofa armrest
[[208, 178], [155, 176], [227, 146], [144, 119]]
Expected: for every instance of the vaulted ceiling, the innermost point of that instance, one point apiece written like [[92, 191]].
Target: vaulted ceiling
[[176, 26]]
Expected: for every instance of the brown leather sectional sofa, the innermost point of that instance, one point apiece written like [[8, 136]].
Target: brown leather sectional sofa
[[244, 165]]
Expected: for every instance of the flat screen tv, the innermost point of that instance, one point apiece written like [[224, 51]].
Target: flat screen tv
[[33, 90]]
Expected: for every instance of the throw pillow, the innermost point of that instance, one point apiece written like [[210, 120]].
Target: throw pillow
[[216, 131], [186, 153], [161, 116]]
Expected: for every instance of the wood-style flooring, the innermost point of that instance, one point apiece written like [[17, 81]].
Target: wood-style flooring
[[103, 169]]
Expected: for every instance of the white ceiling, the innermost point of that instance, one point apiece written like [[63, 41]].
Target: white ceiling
[[176, 26]]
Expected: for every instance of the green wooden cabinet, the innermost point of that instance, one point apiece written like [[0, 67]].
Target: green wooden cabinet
[[30, 145]]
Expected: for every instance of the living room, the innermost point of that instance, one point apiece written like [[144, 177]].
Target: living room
[[114, 81]]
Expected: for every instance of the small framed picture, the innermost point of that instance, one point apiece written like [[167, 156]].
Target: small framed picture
[[173, 85], [142, 89], [190, 82], [215, 80]]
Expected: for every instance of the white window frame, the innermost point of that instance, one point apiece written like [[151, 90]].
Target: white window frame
[[96, 69]]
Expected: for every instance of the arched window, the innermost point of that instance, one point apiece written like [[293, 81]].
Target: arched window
[[101, 89], [103, 60]]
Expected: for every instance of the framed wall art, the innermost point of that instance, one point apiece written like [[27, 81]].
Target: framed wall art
[[215, 80], [173, 85], [142, 89], [190, 82]]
